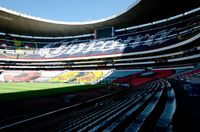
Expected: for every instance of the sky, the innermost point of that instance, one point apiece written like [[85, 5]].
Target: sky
[[68, 10]]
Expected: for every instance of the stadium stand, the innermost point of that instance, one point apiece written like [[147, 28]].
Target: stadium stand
[[106, 116], [133, 42], [141, 61], [67, 76], [146, 76], [135, 126], [104, 47], [21, 76], [170, 108], [80, 77], [115, 74]]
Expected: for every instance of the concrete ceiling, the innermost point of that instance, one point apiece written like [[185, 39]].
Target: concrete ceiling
[[143, 11]]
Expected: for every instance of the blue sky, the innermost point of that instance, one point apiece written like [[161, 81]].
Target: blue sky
[[68, 10]]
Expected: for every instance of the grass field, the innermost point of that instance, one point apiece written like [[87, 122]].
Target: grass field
[[23, 87], [16, 91]]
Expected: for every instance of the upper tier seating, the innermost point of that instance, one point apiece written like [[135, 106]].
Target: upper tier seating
[[121, 44]]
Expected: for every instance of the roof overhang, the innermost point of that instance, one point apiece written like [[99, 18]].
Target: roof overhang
[[143, 11]]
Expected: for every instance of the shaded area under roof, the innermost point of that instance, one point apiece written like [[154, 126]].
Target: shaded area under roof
[[142, 12]]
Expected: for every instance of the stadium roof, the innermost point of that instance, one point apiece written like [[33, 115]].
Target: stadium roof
[[143, 11]]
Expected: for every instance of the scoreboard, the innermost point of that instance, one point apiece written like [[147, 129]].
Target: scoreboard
[[106, 32]]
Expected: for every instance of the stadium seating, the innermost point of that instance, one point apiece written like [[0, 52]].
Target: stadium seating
[[137, 61], [166, 117], [187, 72], [21, 76], [128, 112], [80, 77], [64, 77], [46, 76], [145, 76], [124, 43], [93, 48], [73, 77], [118, 74], [169, 44], [103, 115], [139, 121], [133, 77]]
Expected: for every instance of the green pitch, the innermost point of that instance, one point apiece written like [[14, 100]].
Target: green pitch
[[16, 91], [23, 87]]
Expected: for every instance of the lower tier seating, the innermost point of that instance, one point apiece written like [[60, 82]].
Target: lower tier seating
[[127, 110]]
